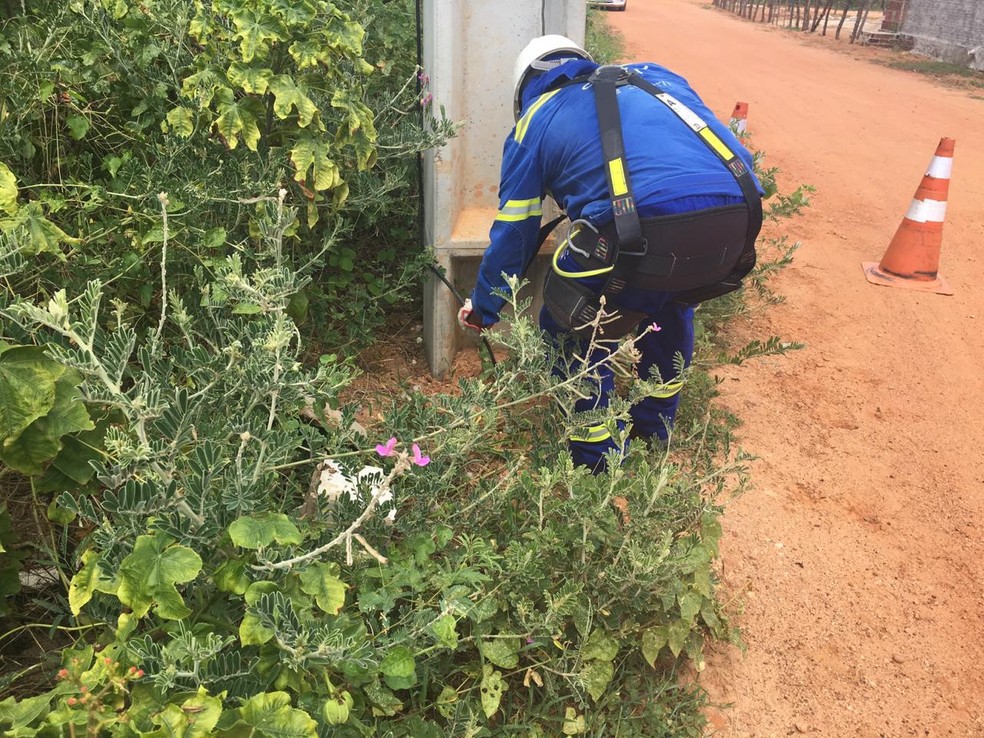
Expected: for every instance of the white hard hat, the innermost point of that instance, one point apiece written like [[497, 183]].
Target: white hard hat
[[531, 59]]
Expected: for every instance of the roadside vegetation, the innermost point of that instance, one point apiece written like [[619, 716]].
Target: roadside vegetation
[[205, 210]]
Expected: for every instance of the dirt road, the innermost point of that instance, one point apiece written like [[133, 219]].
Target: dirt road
[[858, 558]]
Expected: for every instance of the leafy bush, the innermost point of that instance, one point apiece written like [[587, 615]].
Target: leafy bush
[[248, 567], [110, 102]]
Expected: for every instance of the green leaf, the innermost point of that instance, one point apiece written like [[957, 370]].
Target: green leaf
[[149, 573], [27, 389], [237, 118], [328, 590], [23, 713], [492, 688], [196, 717], [255, 32], [72, 466], [678, 631], [259, 531], [37, 233], [445, 631], [287, 96], [182, 121], [252, 80], [42, 440], [8, 190], [231, 576], [599, 647], [710, 532], [503, 652], [653, 641], [311, 153], [384, 702], [690, 605], [252, 631], [446, 701], [597, 675], [87, 581], [269, 715], [78, 126], [398, 668]]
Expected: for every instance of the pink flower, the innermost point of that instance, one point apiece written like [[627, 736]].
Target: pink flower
[[387, 449], [655, 327], [426, 100], [418, 458]]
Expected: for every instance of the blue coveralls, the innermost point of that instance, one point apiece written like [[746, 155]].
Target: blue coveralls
[[555, 149]]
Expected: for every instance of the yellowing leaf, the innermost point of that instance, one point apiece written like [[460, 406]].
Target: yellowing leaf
[[8, 190], [503, 652], [259, 531], [252, 80], [328, 590], [597, 675], [255, 32], [492, 688], [182, 121], [287, 96], [653, 641], [599, 647], [309, 53], [270, 714], [237, 117], [41, 441], [36, 233], [27, 390], [310, 153], [196, 717], [149, 573], [86, 582]]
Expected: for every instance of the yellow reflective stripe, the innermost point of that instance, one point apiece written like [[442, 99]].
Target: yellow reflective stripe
[[617, 171], [592, 434], [524, 123], [516, 210], [719, 146], [669, 389]]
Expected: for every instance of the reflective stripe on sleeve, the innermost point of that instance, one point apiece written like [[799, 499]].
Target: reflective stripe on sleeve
[[591, 434], [516, 210]]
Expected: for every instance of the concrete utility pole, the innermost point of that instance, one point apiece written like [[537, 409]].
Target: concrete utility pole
[[469, 50]]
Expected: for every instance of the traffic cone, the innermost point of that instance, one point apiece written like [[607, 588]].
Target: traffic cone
[[739, 117], [913, 256]]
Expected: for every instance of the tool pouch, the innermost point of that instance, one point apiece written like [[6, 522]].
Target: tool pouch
[[574, 308]]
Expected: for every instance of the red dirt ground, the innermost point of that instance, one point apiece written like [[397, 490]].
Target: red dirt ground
[[856, 560], [854, 564]]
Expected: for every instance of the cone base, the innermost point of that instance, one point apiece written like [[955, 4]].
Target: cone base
[[874, 274]]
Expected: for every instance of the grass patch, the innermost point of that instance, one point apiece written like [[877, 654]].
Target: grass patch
[[944, 71], [605, 43]]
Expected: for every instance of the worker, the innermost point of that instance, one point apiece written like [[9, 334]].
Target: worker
[[664, 213]]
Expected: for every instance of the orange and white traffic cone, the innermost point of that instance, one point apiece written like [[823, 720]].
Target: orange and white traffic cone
[[739, 118], [913, 257]]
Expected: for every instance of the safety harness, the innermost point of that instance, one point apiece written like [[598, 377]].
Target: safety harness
[[696, 256]]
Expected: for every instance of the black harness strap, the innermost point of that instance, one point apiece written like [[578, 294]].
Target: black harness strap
[[605, 81]]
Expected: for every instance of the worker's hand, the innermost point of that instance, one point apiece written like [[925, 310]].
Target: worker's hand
[[468, 319]]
